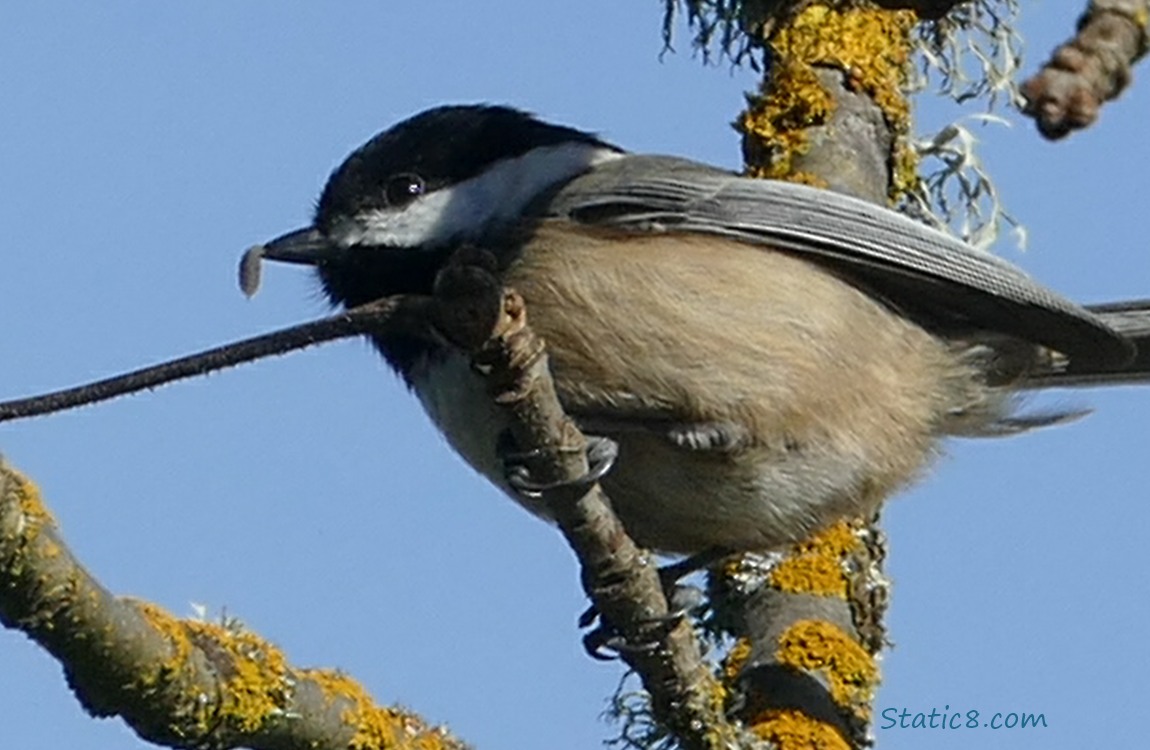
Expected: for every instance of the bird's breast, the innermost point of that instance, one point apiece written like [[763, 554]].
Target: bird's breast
[[833, 400]]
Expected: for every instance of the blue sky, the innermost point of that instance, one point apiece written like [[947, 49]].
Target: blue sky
[[145, 145]]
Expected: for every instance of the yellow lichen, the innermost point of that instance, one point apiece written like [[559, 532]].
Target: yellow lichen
[[793, 730], [198, 715], [376, 727], [812, 645], [173, 631], [1141, 18], [776, 121], [253, 680], [254, 685], [871, 46], [807, 178], [256, 688], [815, 566], [736, 659], [26, 495]]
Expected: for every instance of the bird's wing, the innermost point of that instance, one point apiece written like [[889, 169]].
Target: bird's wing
[[932, 276]]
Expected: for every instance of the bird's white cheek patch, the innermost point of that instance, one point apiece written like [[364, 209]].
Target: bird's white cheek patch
[[463, 211], [417, 224]]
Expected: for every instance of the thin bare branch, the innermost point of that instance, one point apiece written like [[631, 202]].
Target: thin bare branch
[[394, 313]]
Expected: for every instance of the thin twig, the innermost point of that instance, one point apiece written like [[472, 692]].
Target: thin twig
[[405, 314]]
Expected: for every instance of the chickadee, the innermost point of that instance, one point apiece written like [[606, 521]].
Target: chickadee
[[768, 357]]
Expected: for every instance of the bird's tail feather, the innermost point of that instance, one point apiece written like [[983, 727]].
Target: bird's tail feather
[[1129, 318]]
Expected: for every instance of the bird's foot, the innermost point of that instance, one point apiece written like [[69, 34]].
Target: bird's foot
[[601, 455], [682, 599]]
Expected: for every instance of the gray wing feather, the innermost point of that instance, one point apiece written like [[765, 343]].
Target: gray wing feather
[[930, 275]]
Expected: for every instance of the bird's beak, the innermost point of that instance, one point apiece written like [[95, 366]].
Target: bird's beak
[[305, 246]]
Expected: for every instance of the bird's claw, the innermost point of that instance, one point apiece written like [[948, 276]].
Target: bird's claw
[[601, 455], [681, 598], [605, 637]]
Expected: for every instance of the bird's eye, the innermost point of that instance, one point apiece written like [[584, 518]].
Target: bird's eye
[[402, 189]]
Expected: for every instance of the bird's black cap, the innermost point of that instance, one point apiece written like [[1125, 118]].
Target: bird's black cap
[[443, 146]]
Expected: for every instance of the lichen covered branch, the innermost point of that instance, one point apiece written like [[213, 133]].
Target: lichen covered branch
[[832, 111], [177, 682], [810, 621]]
